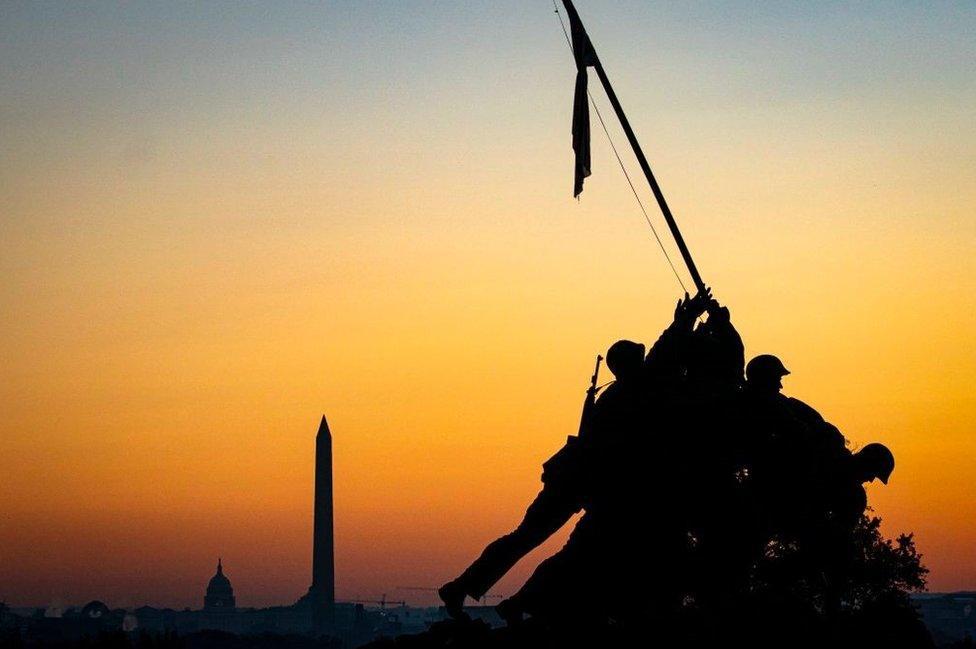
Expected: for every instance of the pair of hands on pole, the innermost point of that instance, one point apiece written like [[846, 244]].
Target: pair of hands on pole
[[690, 308]]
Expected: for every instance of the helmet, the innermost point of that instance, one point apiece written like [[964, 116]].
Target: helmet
[[765, 367], [877, 460], [625, 357]]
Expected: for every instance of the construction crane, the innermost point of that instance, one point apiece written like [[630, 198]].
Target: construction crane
[[382, 601], [483, 600]]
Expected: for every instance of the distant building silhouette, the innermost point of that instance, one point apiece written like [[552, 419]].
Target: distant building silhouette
[[220, 594], [315, 614]]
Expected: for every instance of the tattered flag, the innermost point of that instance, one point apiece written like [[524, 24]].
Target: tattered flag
[[585, 56]]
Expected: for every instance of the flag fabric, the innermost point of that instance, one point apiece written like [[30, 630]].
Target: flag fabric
[[585, 56]]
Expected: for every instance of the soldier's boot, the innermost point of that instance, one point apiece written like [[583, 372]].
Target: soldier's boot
[[510, 611], [452, 594]]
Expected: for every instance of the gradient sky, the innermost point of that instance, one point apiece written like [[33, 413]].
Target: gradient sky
[[218, 221]]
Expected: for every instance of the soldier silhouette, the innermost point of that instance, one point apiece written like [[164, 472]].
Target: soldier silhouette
[[838, 503], [842, 498], [717, 356], [716, 516], [806, 482], [635, 456], [564, 480]]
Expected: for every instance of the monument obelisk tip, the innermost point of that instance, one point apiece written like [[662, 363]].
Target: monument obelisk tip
[[324, 428]]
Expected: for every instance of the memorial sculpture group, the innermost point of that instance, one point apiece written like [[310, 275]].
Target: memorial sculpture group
[[714, 507], [717, 511]]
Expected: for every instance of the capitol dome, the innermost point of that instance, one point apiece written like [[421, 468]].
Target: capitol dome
[[220, 594]]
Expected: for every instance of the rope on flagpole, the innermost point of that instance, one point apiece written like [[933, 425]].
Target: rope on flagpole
[[606, 131]]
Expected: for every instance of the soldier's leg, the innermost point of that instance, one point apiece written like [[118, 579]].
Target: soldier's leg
[[547, 513], [565, 585], [546, 592]]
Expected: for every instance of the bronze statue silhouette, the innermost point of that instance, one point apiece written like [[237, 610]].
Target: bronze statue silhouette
[[563, 480], [696, 477], [716, 509]]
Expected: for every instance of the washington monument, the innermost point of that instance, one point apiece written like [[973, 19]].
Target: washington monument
[[322, 591]]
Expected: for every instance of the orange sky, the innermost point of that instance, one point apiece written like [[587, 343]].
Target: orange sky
[[214, 230]]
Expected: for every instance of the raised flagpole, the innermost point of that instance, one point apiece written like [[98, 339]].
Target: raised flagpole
[[662, 203]]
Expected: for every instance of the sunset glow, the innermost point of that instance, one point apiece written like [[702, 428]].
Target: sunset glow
[[218, 222]]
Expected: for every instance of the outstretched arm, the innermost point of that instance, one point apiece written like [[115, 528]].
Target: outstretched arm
[[665, 355]]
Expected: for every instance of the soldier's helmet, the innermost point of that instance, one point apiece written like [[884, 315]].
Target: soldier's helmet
[[625, 358], [765, 368], [877, 462]]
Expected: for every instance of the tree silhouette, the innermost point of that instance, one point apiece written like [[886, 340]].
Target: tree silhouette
[[855, 595]]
